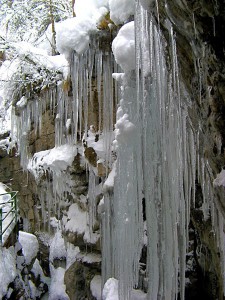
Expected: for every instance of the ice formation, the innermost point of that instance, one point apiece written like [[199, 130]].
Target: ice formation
[[157, 151]]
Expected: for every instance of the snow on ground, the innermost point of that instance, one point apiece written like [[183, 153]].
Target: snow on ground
[[7, 269], [29, 244], [123, 47], [56, 159]]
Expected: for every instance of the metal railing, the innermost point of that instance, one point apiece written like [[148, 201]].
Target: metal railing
[[8, 213]]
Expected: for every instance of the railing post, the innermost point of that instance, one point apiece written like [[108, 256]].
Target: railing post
[[0, 226]]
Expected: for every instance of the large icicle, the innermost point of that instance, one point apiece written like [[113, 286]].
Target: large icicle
[[166, 159]]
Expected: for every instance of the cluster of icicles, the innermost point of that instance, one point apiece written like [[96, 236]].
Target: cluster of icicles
[[155, 169]]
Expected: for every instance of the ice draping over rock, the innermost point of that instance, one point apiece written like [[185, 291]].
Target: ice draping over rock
[[29, 245], [123, 47]]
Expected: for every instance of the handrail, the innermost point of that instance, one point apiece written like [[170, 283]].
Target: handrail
[[13, 202]]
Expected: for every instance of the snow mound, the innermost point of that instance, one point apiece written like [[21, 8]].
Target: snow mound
[[121, 10], [96, 287], [7, 269], [220, 179], [57, 247], [125, 130], [56, 159], [110, 290], [58, 288], [29, 245], [123, 47]]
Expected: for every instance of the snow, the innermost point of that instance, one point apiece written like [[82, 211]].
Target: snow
[[71, 254], [29, 244], [7, 269], [56, 159], [109, 183], [57, 247], [58, 288], [110, 290], [125, 130], [92, 10], [41, 57], [123, 47], [76, 220], [73, 34], [37, 271], [220, 179], [121, 10], [95, 287]]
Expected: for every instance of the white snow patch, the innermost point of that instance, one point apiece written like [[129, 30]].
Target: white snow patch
[[29, 244], [58, 288], [125, 130], [73, 34], [109, 183], [71, 254], [110, 290], [121, 10], [37, 271], [220, 179], [41, 57], [96, 287], [56, 159], [123, 47], [7, 269], [57, 247]]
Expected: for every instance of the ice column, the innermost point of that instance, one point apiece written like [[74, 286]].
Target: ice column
[[168, 181]]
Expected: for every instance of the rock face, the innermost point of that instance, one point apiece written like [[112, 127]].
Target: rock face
[[199, 33]]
